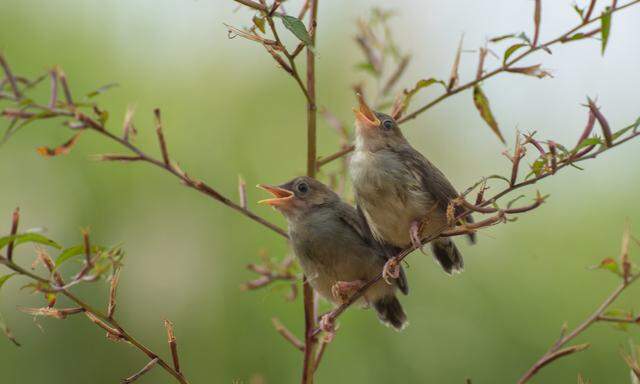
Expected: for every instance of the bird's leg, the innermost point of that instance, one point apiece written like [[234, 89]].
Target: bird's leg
[[391, 270], [328, 326], [342, 290], [414, 233]]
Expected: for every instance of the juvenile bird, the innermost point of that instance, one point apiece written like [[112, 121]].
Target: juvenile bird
[[335, 248], [403, 196]]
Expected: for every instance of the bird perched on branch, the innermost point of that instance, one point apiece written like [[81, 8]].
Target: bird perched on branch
[[403, 197], [335, 248]]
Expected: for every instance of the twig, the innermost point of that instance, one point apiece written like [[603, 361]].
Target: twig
[[173, 346], [152, 363], [10, 77], [161, 141], [15, 219], [287, 334]]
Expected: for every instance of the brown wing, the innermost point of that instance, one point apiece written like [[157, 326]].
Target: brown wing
[[432, 180]]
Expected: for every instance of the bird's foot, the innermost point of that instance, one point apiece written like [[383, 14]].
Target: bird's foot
[[414, 234], [343, 290], [391, 270], [328, 326]]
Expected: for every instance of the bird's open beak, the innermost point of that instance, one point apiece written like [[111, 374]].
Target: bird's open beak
[[281, 196], [365, 115]]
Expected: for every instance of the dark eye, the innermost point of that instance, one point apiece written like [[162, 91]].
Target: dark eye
[[303, 188], [388, 124]]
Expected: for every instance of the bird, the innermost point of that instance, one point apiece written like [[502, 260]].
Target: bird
[[403, 197], [335, 248]]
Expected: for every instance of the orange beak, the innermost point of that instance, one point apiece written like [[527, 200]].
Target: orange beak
[[280, 196], [365, 115]]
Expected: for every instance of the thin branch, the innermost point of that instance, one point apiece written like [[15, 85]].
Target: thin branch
[[287, 334], [152, 363], [173, 346], [10, 77], [556, 352], [109, 324], [15, 219], [307, 292], [161, 141], [142, 156]]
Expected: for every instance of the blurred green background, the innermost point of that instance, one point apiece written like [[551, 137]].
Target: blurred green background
[[229, 111]]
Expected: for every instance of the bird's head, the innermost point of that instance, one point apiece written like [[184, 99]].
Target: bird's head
[[298, 196], [375, 130]]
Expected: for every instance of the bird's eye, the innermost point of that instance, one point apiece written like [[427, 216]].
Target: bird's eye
[[388, 124], [303, 188]]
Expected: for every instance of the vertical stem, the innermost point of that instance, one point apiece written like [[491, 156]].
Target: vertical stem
[[308, 297]]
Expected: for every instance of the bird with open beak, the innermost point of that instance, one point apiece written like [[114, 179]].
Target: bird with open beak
[[403, 196], [335, 248]]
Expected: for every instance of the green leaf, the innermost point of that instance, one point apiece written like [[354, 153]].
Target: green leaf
[[511, 50], [575, 36], [624, 130], [6, 277], [523, 36], [296, 27], [605, 27], [259, 23], [367, 67], [579, 11], [503, 37], [482, 104], [422, 83], [588, 142], [608, 264], [70, 252], [102, 89], [28, 238], [499, 177]]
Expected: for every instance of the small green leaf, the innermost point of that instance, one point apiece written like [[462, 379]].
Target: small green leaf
[[100, 90], [28, 238], [605, 27], [296, 27], [579, 11], [511, 50], [482, 104], [575, 36], [499, 177], [624, 130], [70, 252], [588, 142], [609, 264], [523, 36], [538, 166], [259, 23], [367, 67], [6, 277], [503, 37]]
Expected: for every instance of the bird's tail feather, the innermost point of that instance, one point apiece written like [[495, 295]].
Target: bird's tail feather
[[447, 255], [390, 312]]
